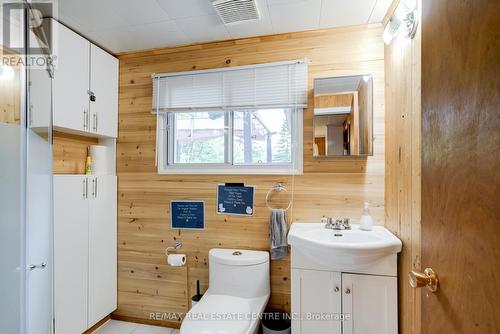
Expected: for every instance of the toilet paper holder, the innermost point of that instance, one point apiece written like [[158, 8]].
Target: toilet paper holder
[[173, 248]]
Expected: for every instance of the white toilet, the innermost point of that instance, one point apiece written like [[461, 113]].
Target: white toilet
[[237, 295]]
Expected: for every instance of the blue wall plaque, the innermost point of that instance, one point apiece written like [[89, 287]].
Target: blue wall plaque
[[187, 214], [235, 200]]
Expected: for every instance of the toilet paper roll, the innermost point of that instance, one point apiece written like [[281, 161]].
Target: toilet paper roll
[[176, 260], [99, 159]]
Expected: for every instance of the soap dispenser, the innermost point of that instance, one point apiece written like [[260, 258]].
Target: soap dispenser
[[366, 221]]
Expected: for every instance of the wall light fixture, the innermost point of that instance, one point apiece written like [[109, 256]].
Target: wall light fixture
[[403, 22]]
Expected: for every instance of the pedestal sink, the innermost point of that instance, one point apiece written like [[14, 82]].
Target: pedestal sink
[[352, 249]]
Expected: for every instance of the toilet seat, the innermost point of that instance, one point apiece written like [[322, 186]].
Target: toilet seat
[[222, 314]]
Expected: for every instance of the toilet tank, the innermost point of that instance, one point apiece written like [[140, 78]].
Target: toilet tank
[[239, 273]]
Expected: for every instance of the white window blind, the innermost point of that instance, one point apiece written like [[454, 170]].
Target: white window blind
[[281, 84]]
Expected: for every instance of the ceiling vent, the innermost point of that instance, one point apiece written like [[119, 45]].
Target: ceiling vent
[[233, 11]]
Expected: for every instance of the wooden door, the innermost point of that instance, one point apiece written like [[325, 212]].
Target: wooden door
[[316, 293], [370, 304], [71, 79], [104, 85], [102, 247], [70, 253], [461, 165]]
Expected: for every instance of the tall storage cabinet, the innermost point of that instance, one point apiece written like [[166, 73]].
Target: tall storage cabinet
[[85, 206]]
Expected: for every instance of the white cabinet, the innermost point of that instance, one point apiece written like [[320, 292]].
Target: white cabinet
[[85, 263], [71, 217], [85, 85], [320, 294], [372, 303], [104, 88], [343, 303], [71, 79], [334, 302], [102, 248]]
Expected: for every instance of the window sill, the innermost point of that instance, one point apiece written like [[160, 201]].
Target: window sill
[[247, 170]]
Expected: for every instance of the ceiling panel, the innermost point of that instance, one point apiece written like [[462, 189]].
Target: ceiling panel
[[139, 12], [203, 28], [178, 9], [126, 25], [294, 15], [336, 13]]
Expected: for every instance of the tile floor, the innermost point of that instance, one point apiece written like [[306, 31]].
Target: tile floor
[[122, 327]]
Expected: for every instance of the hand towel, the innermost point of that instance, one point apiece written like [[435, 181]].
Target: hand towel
[[278, 230]]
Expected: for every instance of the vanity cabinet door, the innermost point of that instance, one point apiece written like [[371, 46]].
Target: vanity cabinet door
[[316, 302], [369, 304]]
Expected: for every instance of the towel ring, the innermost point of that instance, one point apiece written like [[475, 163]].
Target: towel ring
[[278, 187]]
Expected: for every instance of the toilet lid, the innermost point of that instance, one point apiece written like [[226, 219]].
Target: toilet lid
[[218, 314]]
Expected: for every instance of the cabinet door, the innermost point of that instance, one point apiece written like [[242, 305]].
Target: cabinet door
[[71, 79], [371, 302], [104, 85], [102, 247], [70, 253], [316, 301]]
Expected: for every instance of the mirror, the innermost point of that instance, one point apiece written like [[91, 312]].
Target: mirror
[[343, 116]]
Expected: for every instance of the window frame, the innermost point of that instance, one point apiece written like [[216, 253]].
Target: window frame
[[166, 149]]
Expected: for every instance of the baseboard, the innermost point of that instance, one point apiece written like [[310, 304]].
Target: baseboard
[[97, 325], [162, 323]]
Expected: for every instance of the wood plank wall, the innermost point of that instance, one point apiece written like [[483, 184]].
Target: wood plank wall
[[329, 187], [403, 165], [70, 152]]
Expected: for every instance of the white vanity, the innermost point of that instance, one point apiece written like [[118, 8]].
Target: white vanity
[[343, 281]]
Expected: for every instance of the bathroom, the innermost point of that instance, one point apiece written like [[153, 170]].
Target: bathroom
[[281, 166]]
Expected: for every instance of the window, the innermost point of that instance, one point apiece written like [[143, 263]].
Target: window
[[236, 120], [241, 141]]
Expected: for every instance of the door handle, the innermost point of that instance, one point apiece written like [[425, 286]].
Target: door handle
[[428, 278], [95, 189], [42, 265], [85, 124], [85, 188]]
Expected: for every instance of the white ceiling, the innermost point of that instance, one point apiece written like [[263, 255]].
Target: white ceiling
[[126, 25]]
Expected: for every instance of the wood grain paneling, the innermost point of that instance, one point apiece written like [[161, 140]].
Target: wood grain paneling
[[333, 100], [329, 187], [461, 165], [70, 152], [402, 180]]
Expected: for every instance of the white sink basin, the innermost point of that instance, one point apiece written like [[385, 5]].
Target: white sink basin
[[351, 248]]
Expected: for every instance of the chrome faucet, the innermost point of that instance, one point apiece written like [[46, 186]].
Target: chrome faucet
[[339, 224]]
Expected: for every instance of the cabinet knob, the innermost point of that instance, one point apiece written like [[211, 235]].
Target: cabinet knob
[[336, 289], [347, 291]]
